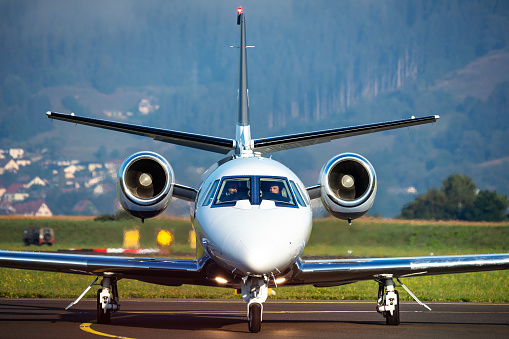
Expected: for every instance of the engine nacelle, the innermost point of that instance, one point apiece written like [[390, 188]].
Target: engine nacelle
[[145, 184], [348, 186]]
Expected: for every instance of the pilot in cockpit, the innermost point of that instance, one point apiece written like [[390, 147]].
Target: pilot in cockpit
[[233, 192], [274, 192]]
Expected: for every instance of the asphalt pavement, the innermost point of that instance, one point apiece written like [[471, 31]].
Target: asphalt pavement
[[158, 318]]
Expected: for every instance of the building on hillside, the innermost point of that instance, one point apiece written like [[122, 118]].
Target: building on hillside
[[113, 167], [103, 188], [8, 165], [36, 208], [36, 181], [93, 167], [23, 162], [17, 153], [15, 192]]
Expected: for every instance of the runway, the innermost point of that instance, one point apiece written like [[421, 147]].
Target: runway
[[158, 318]]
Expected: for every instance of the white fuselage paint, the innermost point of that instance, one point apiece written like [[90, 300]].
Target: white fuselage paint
[[252, 239]]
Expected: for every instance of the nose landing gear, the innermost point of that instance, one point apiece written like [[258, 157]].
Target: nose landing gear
[[254, 293]]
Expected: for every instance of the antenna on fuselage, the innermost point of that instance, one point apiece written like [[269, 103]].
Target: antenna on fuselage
[[243, 130]]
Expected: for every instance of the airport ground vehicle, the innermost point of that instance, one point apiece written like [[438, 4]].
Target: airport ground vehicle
[[39, 236]]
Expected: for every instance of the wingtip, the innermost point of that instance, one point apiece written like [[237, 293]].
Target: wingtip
[[437, 117]]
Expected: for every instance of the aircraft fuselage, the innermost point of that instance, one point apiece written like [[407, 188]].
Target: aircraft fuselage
[[254, 231]]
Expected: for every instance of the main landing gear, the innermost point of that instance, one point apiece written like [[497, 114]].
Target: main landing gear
[[254, 293], [107, 300], [388, 300]]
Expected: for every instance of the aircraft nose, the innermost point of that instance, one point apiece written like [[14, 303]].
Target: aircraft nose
[[255, 241], [269, 257]]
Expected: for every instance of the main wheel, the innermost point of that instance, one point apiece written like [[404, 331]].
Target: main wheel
[[102, 317], [255, 317], [394, 318]]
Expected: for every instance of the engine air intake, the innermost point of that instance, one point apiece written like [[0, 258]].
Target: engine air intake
[[145, 184], [348, 186], [146, 178], [349, 180]]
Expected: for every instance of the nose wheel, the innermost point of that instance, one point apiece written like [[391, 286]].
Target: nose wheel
[[254, 293], [255, 317]]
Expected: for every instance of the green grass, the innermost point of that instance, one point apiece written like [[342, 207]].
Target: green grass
[[373, 238]]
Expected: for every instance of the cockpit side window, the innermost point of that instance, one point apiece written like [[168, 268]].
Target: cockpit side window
[[275, 189], [210, 193], [297, 193], [233, 190]]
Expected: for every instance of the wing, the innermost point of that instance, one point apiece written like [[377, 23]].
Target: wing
[[280, 143], [322, 273], [173, 272], [203, 142]]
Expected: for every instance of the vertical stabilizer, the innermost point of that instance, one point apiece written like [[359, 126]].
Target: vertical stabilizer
[[243, 132]]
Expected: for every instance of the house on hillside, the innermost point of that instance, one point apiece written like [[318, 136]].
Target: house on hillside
[[17, 153], [23, 162], [15, 192], [93, 167], [103, 188], [113, 167], [8, 165], [35, 181], [36, 208]]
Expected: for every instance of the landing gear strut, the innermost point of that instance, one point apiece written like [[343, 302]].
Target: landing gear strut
[[107, 300], [388, 301], [254, 293]]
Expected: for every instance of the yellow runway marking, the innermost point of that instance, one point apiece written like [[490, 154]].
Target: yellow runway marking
[[86, 327]]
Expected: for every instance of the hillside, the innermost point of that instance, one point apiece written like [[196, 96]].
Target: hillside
[[316, 65]]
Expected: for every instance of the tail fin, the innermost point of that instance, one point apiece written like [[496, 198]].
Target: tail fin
[[243, 131]]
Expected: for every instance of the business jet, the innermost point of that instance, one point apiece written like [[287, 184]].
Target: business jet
[[252, 217]]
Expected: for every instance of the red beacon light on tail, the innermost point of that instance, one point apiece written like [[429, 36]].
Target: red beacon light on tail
[[239, 14]]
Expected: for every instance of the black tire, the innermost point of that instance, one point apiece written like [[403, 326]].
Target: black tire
[[394, 318], [255, 318], [102, 317]]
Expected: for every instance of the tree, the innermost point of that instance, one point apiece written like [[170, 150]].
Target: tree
[[460, 192], [488, 206], [431, 205], [458, 199]]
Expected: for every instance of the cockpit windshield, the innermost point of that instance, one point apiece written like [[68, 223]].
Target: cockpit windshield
[[234, 189], [275, 189]]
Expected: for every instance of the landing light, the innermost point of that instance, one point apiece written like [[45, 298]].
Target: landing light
[[280, 280], [221, 280], [239, 10]]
